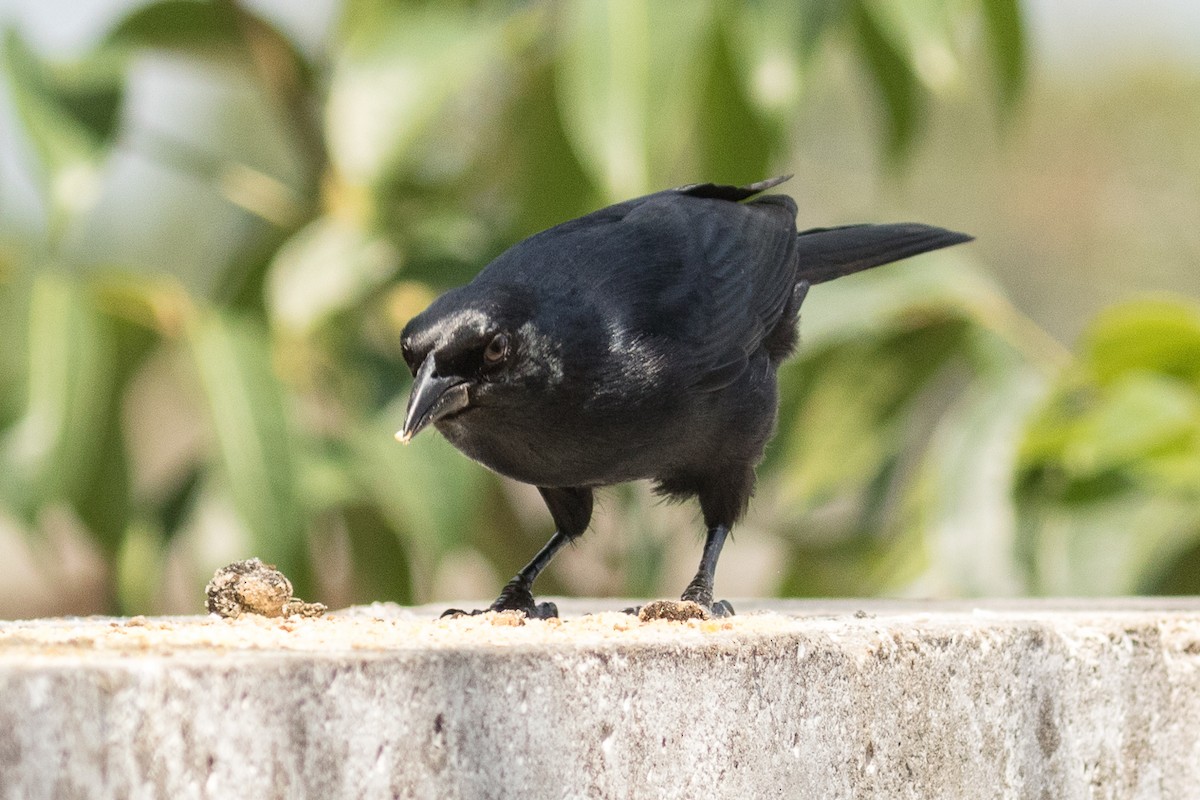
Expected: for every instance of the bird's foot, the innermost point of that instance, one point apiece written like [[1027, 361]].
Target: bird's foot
[[515, 596], [699, 591], [721, 609], [682, 610]]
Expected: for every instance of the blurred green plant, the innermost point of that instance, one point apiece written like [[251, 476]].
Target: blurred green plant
[[1109, 481], [226, 225]]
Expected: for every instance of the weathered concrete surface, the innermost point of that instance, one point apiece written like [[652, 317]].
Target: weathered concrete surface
[[1049, 701]]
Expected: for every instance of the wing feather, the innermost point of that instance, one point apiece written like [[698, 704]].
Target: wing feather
[[687, 281], [733, 271]]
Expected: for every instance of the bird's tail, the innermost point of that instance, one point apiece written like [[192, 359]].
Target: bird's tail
[[828, 253]]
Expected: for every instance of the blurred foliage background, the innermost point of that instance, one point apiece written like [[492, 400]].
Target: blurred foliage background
[[216, 217]]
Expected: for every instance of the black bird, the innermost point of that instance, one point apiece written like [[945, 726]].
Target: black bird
[[640, 341]]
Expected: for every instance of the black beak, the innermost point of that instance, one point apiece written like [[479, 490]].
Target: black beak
[[432, 398]]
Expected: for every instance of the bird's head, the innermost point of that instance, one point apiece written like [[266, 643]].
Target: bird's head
[[467, 351]]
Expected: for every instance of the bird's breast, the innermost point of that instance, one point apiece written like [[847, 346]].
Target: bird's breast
[[562, 446]]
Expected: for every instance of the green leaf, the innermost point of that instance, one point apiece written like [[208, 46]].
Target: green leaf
[[400, 79], [1177, 471], [15, 292], [536, 162], [962, 502], [936, 285], [171, 511], [1142, 416], [845, 408], [629, 85], [1006, 37], [891, 68], [53, 450], [1110, 480], [65, 149], [257, 39], [735, 143], [1179, 573], [253, 437], [1111, 546], [865, 563], [328, 267], [427, 490], [761, 41], [68, 446], [382, 570], [184, 24], [1159, 335], [139, 568], [818, 19]]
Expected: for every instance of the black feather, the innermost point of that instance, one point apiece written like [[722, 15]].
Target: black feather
[[828, 253]]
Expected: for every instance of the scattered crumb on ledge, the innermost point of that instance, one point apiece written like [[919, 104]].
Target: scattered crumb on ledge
[[673, 611], [252, 587]]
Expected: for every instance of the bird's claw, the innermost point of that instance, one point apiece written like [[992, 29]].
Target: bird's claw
[[699, 591], [514, 597], [544, 610], [721, 609]]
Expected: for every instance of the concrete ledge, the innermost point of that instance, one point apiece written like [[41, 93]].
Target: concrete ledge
[[1048, 700]]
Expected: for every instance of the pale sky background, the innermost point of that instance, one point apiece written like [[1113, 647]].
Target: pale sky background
[[1079, 34]]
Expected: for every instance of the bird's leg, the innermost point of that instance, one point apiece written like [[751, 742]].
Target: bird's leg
[[571, 509], [517, 594], [700, 590]]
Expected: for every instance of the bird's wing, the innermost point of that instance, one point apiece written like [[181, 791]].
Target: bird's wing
[[686, 282], [722, 272]]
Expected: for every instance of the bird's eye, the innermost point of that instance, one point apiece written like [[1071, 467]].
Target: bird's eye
[[496, 350]]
